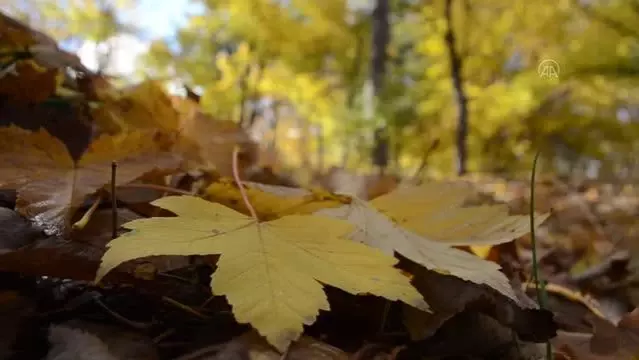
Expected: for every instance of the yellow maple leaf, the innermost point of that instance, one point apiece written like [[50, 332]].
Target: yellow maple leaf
[[271, 201], [407, 206], [435, 211], [143, 105], [270, 272], [51, 184]]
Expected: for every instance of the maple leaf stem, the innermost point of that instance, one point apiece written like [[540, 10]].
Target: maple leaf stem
[[80, 224], [236, 177]]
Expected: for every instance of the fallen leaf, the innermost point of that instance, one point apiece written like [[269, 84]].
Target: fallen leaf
[[572, 308], [16, 310], [216, 140], [375, 229], [621, 340], [270, 272], [76, 339], [576, 346], [250, 346], [29, 82], [15, 231], [51, 185], [483, 251], [80, 258], [436, 211], [66, 121], [471, 335], [271, 201], [15, 35], [141, 106], [449, 296], [202, 139]]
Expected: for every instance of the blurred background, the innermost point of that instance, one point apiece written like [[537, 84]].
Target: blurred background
[[407, 87]]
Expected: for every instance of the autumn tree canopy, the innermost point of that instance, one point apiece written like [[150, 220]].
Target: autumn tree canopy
[[299, 75]]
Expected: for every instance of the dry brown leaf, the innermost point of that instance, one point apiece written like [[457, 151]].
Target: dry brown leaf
[[449, 296], [251, 346], [202, 139], [144, 105], [15, 231], [29, 82], [216, 140], [82, 340], [15, 310], [78, 259], [621, 340], [576, 346], [51, 185], [17, 36]]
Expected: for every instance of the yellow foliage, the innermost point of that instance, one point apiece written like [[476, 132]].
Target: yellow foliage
[[435, 211], [270, 272], [446, 223], [271, 202], [145, 105]]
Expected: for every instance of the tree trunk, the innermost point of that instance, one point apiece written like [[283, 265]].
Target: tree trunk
[[460, 95], [381, 38]]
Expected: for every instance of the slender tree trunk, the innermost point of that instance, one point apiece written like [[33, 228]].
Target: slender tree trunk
[[380, 41], [354, 79], [381, 38], [460, 95]]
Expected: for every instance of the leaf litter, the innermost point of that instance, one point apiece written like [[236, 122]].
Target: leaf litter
[[412, 243], [270, 272]]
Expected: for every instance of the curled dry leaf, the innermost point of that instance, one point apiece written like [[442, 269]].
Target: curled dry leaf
[[270, 272], [17, 36], [200, 138], [436, 211], [215, 141], [439, 206], [449, 296], [375, 229], [51, 185], [622, 339], [28, 82]]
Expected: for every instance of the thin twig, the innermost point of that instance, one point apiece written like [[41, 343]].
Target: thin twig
[[186, 308], [134, 324], [114, 203], [540, 285], [163, 336], [197, 354]]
